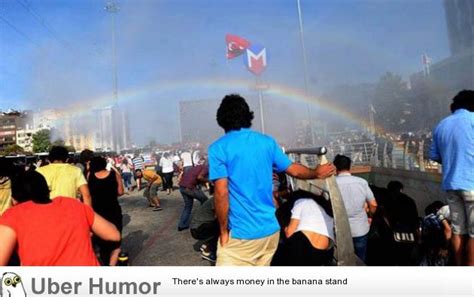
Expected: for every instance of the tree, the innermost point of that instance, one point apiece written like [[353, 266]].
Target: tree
[[392, 103], [13, 149], [42, 141]]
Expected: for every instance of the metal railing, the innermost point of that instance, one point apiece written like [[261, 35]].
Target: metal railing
[[407, 155]]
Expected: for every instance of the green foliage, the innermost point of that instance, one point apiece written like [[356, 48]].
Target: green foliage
[[42, 141], [12, 149], [392, 103]]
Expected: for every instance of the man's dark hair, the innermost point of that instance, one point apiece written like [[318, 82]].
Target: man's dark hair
[[97, 164], [58, 153], [138, 170], [342, 162], [395, 186], [433, 208], [234, 113], [7, 169], [30, 185], [464, 99], [85, 156]]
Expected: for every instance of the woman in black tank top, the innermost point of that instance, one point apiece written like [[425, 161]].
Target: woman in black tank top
[[105, 188]]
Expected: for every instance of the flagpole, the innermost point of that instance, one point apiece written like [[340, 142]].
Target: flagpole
[[305, 67], [260, 102]]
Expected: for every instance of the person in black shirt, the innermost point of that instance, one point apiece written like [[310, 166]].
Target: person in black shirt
[[105, 188]]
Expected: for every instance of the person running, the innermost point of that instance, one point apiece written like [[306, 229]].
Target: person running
[[126, 169], [167, 169], [64, 180], [105, 187], [49, 232], [190, 190], [241, 164]]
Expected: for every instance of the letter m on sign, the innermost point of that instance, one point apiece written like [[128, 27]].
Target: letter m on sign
[[255, 59]]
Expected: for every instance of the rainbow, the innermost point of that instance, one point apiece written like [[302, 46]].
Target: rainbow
[[222, 86]]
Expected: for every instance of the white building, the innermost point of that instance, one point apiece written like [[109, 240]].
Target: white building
[[24, 138]]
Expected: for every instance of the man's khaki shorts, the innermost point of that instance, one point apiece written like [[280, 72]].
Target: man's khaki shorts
[[255, 252], [461, 207]]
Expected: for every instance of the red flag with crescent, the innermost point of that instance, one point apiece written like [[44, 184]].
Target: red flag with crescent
[[235, 45]]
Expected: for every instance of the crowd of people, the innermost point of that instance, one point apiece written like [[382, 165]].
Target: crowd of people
[[62, 211]]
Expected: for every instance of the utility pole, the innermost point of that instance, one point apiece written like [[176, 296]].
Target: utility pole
[[305, 67], [112, 8], [117, 133]]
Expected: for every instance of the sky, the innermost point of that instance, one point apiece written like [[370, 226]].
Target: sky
[[59, 53]]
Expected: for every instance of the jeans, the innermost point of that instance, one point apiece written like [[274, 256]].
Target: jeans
[[127, 179], [360, 246], [188, 197]]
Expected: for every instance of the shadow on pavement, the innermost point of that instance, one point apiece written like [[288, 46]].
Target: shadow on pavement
[[133, 244], [125, 219]]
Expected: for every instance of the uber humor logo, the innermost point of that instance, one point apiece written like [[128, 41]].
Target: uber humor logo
[[11, 285]]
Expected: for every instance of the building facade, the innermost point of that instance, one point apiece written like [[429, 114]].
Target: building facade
[[460, 22], [10, 123]]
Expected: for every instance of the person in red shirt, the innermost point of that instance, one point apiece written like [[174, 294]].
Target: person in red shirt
[[49, 232]]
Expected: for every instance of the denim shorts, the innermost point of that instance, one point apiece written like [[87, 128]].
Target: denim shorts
[[461, 206]]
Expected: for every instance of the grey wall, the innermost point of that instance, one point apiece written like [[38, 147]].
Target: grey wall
[[424, 187]]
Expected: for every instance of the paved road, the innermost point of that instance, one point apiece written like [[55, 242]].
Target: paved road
[[152, 238]]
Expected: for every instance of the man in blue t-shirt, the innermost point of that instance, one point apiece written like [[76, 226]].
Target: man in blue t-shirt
[[453, 146], [241, 164]]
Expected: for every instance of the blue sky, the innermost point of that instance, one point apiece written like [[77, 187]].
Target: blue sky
[[53, 53]]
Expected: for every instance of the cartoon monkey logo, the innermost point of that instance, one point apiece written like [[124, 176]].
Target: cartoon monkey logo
[[11, 285]]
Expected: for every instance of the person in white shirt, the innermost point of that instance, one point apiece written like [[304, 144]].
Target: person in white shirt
[[310, 232], [357, 197], [196, 157], [167, 169], [187, 161]]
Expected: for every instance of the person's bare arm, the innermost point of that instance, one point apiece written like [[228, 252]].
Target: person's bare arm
[[372, 206], [118, 177], [104, 229], [8, 240], [448, 233], [86, 195], [221, 196], [322, 171], [290, 230]]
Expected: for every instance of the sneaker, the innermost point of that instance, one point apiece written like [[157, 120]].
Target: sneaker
[[158, 208], [211, 257], [203, 248], [182, 228]]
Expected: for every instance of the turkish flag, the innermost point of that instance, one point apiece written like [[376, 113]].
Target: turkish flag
[[235, 45]]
